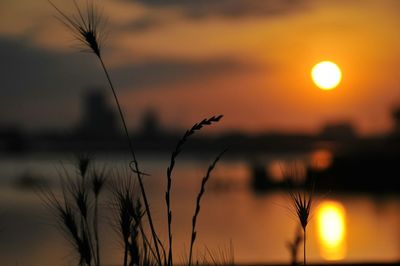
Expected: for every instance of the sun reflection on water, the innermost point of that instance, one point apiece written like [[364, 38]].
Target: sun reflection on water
[[331, 222]]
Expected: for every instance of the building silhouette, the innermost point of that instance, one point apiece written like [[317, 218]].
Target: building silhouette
[[98, 119], [151, 127]]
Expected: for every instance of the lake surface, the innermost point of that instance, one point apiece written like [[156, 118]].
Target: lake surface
[[343, 227]]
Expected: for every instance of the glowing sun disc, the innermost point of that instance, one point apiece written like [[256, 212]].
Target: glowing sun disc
[[326, 75]]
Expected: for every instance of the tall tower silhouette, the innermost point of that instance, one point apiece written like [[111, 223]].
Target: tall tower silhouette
[[98, 119]]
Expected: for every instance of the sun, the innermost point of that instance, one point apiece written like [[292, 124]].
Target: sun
[[326, 75]]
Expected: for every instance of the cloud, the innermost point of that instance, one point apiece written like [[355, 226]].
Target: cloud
[[230, 8], [40, 86], [158, 73], [144, 24], [30, 71]]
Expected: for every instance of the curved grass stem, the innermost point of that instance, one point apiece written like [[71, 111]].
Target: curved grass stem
[[198, 204], [135, 163]]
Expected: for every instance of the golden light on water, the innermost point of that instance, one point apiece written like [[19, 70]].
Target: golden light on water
[[331, 222], [326, 75]]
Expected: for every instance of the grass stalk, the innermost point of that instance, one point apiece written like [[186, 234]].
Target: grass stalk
[[70, 220], [304, 245], [97, 182], [220, 257], [293, 246], [96, 229], [198, 204], [302, 204], [174, 155], [135, 163]]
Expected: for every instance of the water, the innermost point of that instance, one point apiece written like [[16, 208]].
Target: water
[[363, 228]]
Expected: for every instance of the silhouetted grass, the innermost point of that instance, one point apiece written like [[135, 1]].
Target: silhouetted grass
[[128, 216], [293, 246], [87, 27], [76, 216], [302, 202], [174, 155], [220, 257], [97, 182], [198, 201]]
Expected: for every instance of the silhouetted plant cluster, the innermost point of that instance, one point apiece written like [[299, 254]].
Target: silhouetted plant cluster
[[174, 155], [128, 213], [77, 217], [301, 202], [77, 209]]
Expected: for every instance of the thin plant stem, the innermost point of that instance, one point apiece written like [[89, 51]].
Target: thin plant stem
[[85, 223], [304, 245], [196, 127], [96, 229], [145, 239], [135, 163], [121, 114], [198, 203]]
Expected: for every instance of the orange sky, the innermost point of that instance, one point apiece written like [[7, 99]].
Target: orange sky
[[252, 65]]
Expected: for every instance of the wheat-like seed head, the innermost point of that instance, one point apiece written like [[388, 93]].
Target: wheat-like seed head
[[302, 204], [98, 180], [87, 27]]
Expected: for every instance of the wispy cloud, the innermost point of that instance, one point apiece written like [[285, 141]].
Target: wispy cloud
[[230, 8], [158, 72], [143, 24]]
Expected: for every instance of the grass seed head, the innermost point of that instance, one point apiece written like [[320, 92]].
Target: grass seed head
[[82, 163], [85, 25], [302, 204], [98, 181]]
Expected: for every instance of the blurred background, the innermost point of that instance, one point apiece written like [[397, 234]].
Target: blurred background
[[175, 62]]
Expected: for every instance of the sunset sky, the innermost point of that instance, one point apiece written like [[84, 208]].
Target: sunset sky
[[188, 59]]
